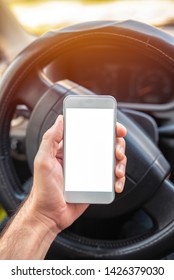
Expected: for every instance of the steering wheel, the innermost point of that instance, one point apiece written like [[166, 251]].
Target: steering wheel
[[147, 185]]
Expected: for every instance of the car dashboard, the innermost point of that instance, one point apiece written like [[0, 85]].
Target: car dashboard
[[129, 76]]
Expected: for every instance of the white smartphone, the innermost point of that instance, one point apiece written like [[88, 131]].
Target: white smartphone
[[89, 149]]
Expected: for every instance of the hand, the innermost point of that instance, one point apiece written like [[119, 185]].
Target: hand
[[46, 195]]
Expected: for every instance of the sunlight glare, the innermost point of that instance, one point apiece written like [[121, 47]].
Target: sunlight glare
[[56, 14]]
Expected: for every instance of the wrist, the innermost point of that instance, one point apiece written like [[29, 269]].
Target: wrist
[[28, 235], [43, 226]]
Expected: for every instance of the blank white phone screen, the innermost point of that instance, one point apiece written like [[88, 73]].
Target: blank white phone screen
[[89, 149]]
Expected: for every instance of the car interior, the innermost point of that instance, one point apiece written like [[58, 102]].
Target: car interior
[[130, 59]]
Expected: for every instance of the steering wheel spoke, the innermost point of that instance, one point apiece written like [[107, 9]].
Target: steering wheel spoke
[[32, 90], [160, 206]]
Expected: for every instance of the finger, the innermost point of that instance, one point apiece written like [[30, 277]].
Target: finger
[[55, 133], [52, 138], [120, 168], [120, 148], [119, 184], [59, 154], [121, 130]]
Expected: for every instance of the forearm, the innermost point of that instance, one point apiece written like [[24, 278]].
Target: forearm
[[27, 236]]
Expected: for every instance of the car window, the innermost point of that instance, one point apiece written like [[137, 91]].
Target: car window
[[39, 16]]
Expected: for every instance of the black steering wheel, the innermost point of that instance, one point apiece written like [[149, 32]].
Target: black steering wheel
[[147, 185]]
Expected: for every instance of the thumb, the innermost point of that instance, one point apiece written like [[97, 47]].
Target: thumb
[[52, 136], [56, 131]]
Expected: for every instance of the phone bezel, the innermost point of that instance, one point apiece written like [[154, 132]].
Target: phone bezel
[[104, 102]]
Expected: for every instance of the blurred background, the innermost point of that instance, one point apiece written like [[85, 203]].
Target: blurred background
[[39, 16]]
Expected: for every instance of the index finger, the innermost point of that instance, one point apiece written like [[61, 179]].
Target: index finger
[[121, 130]]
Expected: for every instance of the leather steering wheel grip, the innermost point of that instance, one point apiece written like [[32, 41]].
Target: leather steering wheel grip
[[17, 87]]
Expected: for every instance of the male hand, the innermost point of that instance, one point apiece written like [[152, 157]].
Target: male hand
[[46, 196]]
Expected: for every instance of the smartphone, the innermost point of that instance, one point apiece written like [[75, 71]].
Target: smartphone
[[89, 149]]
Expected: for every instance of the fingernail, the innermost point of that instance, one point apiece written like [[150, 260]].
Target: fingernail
[[119, 186], [59, 118], [121, 168], [121, 149]]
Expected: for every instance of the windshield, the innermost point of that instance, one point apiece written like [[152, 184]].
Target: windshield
[[39, 16]]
